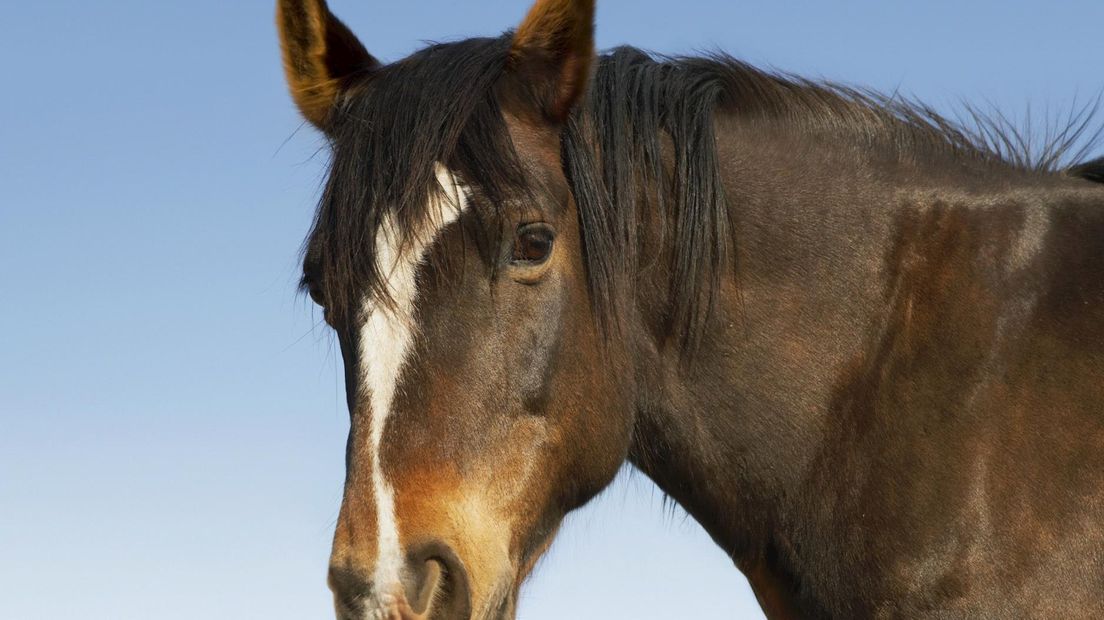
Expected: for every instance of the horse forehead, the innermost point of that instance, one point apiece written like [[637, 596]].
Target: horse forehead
[[397, 248], [388, 328]]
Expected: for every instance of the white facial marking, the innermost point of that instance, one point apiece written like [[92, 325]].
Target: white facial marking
[[384, 341], [1031, 239]]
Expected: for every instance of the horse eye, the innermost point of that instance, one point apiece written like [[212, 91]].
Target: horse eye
[[533, 244], [314, 289], [315, 293]]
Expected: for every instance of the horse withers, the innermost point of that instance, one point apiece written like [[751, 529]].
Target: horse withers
[[862, 345]]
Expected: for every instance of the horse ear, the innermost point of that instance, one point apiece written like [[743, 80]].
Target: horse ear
[[1090, 170], [556, 43], [321, 55]]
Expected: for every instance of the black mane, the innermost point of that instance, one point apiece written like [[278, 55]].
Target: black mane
[[440, 105]]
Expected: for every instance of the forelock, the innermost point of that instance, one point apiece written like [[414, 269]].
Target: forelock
[[404, 120]]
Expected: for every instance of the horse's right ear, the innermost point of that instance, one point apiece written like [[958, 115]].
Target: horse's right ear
[[321, 56]]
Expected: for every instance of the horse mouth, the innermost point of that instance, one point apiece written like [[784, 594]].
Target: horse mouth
[[502, 610], [499, 607]]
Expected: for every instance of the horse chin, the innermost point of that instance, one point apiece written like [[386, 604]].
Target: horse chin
[[502, 608]]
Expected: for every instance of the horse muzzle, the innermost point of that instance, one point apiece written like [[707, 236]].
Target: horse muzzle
[[434, 586]]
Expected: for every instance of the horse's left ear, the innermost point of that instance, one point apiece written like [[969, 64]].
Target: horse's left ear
[[555, 46], [321, 56]]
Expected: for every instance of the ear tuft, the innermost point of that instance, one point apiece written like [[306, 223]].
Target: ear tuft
[[321, 55], [556, 41]]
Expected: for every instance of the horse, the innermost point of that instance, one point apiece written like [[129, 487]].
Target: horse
[[862, 345]]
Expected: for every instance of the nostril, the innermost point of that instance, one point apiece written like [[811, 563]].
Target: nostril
[[438, 586], [350, 588], [425, 586]]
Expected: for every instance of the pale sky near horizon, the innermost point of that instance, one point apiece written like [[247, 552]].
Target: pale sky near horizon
[[172, 421]]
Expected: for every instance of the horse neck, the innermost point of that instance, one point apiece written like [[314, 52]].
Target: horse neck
[[732, 434], [724, 433], [739, 435]]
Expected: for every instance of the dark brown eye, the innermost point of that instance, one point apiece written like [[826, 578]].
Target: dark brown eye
[[533, 244], [315, 293], [312, 284]]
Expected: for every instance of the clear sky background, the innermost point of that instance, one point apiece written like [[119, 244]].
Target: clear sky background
[[172, 422]]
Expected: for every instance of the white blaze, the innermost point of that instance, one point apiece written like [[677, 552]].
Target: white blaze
[[385, 340]]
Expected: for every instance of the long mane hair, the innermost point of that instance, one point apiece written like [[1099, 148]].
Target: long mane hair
[[642, 141]]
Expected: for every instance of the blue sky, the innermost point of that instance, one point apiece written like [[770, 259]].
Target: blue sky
[[172, 422]]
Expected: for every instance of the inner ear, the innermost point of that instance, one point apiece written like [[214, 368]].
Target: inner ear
[[554, 46]]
